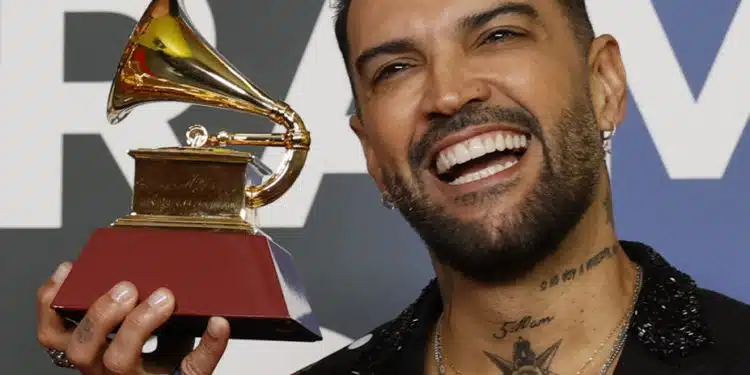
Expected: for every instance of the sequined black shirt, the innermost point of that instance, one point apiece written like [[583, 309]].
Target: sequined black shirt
[[677, 328]]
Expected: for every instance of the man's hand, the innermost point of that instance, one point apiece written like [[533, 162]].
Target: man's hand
[[93, 353]]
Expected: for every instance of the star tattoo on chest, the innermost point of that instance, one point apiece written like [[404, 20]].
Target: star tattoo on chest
[[525, 361]]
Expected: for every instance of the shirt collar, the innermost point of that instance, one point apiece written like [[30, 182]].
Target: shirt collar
[[667, 320]]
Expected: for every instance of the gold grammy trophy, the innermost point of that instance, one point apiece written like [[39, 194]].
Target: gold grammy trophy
[[191, 224]]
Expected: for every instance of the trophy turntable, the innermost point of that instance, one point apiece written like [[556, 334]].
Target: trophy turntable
[[191, 227]]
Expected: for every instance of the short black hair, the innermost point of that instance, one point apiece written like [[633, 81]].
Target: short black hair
[[576, 9]]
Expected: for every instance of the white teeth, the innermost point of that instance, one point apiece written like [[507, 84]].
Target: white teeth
[[452, 159], [484, 173], [442, 163], [500, 142], [462, 153], [489, 145], [477, 147]]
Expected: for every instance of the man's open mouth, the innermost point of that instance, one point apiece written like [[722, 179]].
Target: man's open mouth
[[480, 157]]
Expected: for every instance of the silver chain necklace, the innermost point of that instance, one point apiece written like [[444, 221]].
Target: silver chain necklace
[[622, 328]]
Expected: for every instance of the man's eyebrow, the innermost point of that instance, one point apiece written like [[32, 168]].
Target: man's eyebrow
[[388, 48], [480, 19], [470, 22]]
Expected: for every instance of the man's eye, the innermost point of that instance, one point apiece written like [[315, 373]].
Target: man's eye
[[500, 35], [388, 71]]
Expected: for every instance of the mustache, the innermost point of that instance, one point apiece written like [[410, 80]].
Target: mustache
[[470, 115]]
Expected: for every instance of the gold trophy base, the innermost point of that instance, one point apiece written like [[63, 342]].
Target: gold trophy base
[[189, 231], [229, 224]]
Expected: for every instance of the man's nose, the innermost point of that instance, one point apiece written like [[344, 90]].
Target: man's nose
[[451, 87]]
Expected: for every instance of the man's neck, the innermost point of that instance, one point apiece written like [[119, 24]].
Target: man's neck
[[572, 304]]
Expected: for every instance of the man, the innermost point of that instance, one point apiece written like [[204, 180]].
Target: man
[[486, 123]]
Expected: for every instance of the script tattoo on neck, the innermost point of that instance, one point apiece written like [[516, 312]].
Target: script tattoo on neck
[[570, 274], [514, 326], [525, 360]]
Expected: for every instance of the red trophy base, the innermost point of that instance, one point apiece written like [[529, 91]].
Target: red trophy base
[[247, 279]]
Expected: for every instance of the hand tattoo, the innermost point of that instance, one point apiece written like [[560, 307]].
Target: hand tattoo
[[85, 331]]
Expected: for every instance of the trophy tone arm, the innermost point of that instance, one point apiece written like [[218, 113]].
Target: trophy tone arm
[[296, 140]]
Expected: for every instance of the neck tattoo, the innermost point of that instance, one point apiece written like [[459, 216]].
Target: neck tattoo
[[524, 358]]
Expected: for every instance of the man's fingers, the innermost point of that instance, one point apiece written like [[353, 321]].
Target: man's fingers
[[51, 331], [105, 314], [204, 359], [124, 354]]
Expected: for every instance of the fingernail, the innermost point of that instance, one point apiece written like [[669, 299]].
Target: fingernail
[[158, 298], [213, 327], [61, 273], [122, 292]]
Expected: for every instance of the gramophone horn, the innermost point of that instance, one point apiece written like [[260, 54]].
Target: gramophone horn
[[165, 59]]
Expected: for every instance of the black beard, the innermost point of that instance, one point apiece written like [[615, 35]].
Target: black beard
[[500, 249]]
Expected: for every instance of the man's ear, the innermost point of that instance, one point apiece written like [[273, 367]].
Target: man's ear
[[355, 123], [608, 83]]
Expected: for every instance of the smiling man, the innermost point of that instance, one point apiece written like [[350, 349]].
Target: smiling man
[[486, 123]]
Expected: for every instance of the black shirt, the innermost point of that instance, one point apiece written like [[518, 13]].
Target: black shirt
[[677, 328]]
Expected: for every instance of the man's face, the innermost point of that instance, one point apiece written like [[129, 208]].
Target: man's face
[[476, 118]]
